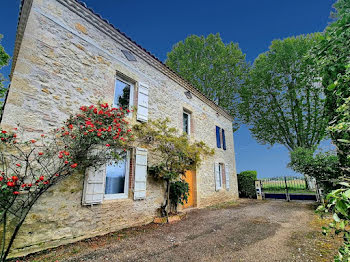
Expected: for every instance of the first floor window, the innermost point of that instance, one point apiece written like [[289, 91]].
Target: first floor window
[[123, 94], [117, 177], [220, 138], [186, 122]]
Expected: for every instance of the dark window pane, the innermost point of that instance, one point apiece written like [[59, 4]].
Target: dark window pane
[[186, 123], [122, 94], [223, 139], [220, 172]]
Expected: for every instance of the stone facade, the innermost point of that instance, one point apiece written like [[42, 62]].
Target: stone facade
[[66, 57]]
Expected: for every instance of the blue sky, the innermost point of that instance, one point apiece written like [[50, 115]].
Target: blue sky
[[253, 24]]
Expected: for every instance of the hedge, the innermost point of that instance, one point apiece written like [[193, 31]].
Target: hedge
[[246, 185]]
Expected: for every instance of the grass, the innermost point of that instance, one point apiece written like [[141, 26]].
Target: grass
[[279, 186], [314, 246]]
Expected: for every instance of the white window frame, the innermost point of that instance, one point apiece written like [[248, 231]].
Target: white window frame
[[132, 88], [189, 121], [126, 183]]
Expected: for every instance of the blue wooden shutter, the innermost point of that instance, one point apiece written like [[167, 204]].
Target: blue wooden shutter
[[223, 140], [218, 139]]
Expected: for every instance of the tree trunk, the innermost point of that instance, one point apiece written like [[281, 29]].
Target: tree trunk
[[168, 201], [3, 235]]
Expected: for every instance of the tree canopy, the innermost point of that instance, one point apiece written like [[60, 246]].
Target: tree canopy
[[332, 55], [283, 100], [4, 59], [215, 68]]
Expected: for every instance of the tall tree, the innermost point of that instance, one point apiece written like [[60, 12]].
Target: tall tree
[[283, 101], [4, 59], [215, 68], [333, 58]]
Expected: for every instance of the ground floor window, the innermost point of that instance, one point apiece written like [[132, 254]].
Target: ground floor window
[[221, 174], [117, 178]]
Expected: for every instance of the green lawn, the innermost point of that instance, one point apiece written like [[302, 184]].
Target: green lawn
[[279, 186]]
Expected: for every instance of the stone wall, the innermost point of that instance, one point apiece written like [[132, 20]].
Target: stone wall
[[65, 61]]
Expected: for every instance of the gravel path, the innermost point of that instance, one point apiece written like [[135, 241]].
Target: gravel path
[[250, 231]]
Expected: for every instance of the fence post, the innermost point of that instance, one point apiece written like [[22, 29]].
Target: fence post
[[258, 189], [287, 195], [319, 195]]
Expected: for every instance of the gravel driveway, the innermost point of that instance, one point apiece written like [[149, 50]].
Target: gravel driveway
[[248, 231]]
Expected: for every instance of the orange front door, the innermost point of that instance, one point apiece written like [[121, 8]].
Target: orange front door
[[190, 178]]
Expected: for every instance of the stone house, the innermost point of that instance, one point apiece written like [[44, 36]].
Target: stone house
[[66, 56]]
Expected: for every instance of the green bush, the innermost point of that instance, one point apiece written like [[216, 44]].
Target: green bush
[[246, 184], [337, 203], [323, 166], [178, 193]]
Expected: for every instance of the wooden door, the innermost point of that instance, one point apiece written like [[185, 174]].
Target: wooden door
[[190, 178]]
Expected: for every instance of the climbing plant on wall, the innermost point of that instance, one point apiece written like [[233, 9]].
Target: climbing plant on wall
[[173, 153], [28, 168]]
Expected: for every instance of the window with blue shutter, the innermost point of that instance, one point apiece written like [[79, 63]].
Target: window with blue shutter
[[218, 137], [223, 140]]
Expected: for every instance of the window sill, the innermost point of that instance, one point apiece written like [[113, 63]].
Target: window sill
[[223, 189], [115, 196]]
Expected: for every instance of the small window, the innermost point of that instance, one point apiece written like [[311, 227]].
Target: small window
[[117, 177], [218, 137], [186, 122], [221, 172], [123, 94], [130, 56]]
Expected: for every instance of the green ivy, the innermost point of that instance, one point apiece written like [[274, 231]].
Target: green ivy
[[178, 193]]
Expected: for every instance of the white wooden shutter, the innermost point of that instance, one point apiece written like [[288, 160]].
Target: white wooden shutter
[[217, 176], [140, 174], [227, 176], [94, 185], [142, 103]]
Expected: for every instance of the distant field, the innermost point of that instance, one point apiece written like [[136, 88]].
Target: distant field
[[278, 185]]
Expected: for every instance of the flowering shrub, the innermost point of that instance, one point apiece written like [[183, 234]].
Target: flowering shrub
[[28, 168], [96, 125]]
